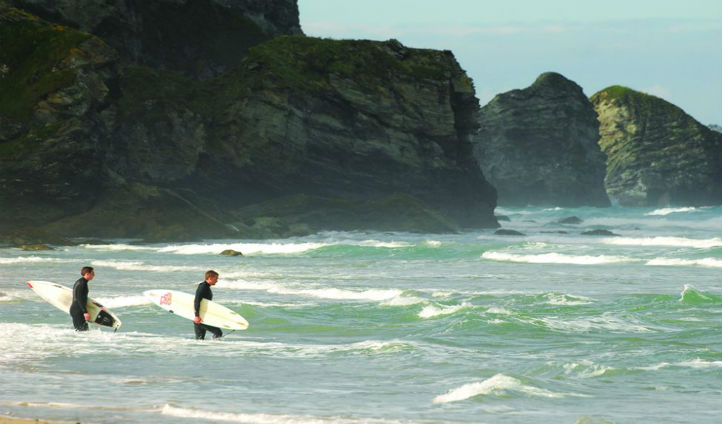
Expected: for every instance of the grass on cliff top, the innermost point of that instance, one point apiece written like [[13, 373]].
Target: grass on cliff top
[[307, 62], [640, 104], [30, 50]]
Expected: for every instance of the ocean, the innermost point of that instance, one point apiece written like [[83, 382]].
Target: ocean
[[552, 326]]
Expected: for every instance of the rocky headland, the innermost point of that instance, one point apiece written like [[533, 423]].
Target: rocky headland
[[539, 145], [303, 134], [657, 155]]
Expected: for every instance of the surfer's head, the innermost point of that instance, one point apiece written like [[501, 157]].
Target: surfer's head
[[211, 277], [87, 272]]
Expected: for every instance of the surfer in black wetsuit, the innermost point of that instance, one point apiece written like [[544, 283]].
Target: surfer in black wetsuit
[[78, 309], [204, 292]]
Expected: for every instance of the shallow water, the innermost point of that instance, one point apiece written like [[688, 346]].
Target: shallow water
[[549, 327]]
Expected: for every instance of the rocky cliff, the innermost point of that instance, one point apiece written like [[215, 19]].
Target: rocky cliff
[[538, 146], [656, 153], [93, 145], [202, 38]]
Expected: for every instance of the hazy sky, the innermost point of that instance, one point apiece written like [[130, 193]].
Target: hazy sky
[[672, 49]]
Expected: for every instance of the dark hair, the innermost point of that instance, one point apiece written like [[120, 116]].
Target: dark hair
[[86, 269], [211, 273]]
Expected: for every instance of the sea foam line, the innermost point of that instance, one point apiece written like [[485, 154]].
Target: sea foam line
[[431, 311], [330, 293], [707, 262], [664, 241], [123, 301], [497, 384], [555, 258], [142, 266], [694, 363], [667, 211], [31, 259], [260, 418], [245, 248]]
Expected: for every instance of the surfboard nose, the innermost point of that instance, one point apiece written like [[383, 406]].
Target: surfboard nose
[[29, 284]]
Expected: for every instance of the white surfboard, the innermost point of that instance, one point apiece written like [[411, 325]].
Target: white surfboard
[[61, 297], [211, 313]]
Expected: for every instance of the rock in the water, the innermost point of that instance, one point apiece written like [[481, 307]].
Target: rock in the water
[[599, 233], [231, 252], [539, 146], [507, 232], [569, 220], [657, 155], [31, 247]]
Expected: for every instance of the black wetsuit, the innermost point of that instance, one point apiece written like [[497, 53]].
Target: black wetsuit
[[204, 292], [78, 307]]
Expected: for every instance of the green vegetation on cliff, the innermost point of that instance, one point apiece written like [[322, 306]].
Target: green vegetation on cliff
[[306, 62], [656, 154], [33, 54], [640, 104]]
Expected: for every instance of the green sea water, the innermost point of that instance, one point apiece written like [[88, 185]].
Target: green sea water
[[552, 326]]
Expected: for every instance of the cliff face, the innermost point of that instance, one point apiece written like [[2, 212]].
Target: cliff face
[[201, 38], [357, 120], [539, 145], [91, 145], [657, 154]]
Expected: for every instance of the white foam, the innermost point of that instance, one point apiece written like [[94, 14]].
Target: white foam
[[667, 211], [706, 262], [123, 301], [498, 310], [497, 384], [664, 241], [555, 258], [563, 299], [431, 311], [118, 247], [403, 301], [30, 259], [605, 322], [260, 418], [388, 245], [694, 363], [142, 266], [245, 248], [329, 293], [586, 369]]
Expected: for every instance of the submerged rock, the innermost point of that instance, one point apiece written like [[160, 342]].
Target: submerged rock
[[657, 155], [539, 146]]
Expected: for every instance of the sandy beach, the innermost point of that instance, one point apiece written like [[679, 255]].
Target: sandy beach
[[12, 420]]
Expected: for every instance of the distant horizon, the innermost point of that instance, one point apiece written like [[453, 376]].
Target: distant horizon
[[667, 49]]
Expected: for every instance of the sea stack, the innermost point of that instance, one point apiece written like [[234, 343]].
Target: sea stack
[[539, 146], [657, 155]]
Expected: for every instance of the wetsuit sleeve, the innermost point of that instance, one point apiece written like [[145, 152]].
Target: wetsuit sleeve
[[200, 295], [80, 294]]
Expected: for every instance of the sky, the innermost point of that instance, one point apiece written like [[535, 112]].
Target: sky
[[671, 49]]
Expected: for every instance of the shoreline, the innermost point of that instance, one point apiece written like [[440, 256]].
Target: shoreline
[[4, 419]]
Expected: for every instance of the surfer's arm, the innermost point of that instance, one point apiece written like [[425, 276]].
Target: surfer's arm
[[200, 295]]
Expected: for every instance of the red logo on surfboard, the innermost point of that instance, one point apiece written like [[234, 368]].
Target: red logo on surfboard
[[166, 299]]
